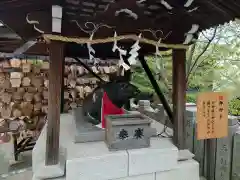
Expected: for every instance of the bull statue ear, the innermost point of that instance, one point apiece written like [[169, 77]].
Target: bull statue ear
[[137, 91]]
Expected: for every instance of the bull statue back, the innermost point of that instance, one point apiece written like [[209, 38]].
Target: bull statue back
[[119, 92]]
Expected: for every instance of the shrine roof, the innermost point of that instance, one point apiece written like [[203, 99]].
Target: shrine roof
[[170, 20]]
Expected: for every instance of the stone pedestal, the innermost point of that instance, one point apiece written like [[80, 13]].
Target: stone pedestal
[[186, 170], [93, 160], [40, 170], [84, 131], [6, 156]]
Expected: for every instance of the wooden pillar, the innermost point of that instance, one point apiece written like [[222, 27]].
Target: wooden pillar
[[179, 96], [54, 102], [62, 92]]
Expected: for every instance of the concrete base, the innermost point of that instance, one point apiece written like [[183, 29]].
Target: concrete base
[[184, 155], [40, 170], [44, 172], [6, 156], [85, 131], [186, 170], [93, 160]]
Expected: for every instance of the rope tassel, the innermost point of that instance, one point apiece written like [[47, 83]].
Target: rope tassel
[[134, 52], [91, 51], [122, 53]]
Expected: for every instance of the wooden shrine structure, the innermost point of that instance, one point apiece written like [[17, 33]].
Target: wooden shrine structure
[[61, 27]]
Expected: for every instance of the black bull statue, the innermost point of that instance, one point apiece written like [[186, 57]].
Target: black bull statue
[[119, 92]]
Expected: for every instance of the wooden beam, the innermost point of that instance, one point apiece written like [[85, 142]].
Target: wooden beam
[[179, 96], [19, 25], [23, 48], [54, 102], [26, 6], [113, 7]]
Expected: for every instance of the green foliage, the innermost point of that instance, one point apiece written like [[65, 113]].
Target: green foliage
[[140, 79], [200, 69], [227, 77], [234, 107], [212, 64], [36, 62], [191, 98]]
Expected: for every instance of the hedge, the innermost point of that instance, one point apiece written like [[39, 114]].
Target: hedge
[[233, 105]]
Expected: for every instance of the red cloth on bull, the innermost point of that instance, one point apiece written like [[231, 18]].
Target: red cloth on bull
[[108, 108]]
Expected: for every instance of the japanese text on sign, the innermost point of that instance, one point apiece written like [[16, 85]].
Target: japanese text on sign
[[212, 115]]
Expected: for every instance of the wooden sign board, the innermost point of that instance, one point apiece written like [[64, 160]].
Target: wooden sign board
[[212, 115]]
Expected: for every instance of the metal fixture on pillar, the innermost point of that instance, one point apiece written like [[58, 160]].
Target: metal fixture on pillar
[[56, 19]]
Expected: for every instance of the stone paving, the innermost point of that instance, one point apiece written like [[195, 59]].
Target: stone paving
[[27, 175], [11, 170]]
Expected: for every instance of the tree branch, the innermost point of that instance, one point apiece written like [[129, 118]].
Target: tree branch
[[198, 57], [189, 61]]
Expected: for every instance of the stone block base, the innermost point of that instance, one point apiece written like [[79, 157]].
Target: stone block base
[[186, 170], [93, 160], [40, 170], [140, 177]]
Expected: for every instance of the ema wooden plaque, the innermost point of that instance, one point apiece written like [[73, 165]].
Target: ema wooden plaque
[[80, 70], [26, 81], [212, 115], [16, 63], [26, 67], [45, 65]]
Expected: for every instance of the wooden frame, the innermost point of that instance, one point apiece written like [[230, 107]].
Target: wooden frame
[[168, 20]]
